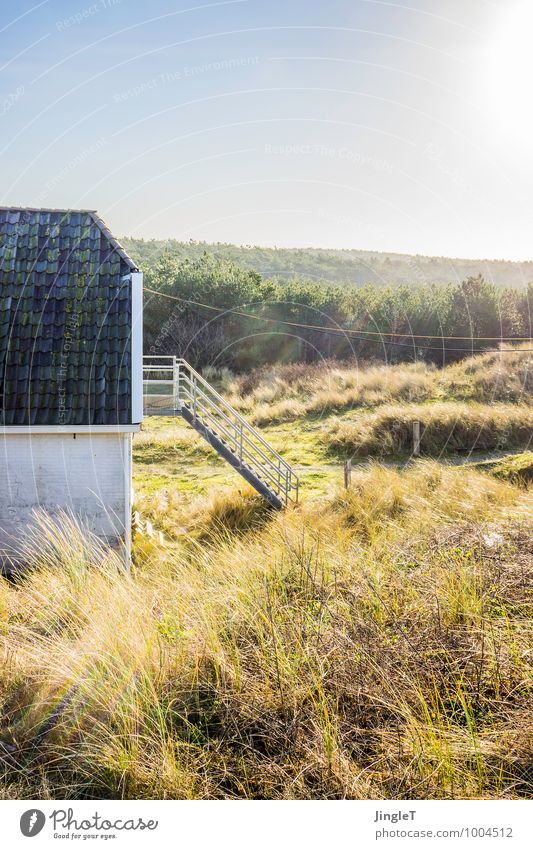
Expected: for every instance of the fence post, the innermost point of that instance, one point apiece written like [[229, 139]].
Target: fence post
[[416, 439], [347, 474]]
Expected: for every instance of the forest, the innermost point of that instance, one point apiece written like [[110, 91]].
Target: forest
[[214, 312], [348, 267]]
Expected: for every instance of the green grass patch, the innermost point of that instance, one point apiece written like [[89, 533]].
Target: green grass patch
[[517, 469]]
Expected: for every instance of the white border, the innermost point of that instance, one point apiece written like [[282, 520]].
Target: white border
[[313, 824], [136, 346], [66, 429], [127, 501]]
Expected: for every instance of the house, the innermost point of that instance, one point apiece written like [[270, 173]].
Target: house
[[70, 373]]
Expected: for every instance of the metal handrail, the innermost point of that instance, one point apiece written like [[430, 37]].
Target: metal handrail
[[248, 460], [248, 427], [243, 454], [247, 457], [244, 424], [240, 419], [245, 443]]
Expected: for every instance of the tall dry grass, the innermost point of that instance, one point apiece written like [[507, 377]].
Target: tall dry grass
[[289, 392], [443, 426], [286, 393], [373, 645]]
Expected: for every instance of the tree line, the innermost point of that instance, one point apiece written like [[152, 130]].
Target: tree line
[[345, 267], [214, 312]]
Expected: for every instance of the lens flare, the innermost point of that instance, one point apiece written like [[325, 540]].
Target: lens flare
[[508, 70]]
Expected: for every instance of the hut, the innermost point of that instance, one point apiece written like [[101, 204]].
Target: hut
[[70, 374]]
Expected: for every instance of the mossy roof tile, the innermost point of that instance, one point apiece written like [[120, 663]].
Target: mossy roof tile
[[65, 319]]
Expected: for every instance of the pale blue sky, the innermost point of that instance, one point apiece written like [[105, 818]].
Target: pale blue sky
[[349, 123]]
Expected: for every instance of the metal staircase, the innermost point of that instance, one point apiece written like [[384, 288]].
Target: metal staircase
[[172, 387]]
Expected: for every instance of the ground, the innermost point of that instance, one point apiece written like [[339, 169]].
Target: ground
[[367, 643]]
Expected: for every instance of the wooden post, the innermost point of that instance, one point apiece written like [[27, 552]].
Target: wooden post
[[416, 439], [347, 474]]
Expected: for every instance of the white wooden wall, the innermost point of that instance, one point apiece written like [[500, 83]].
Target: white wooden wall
[[89, 475]]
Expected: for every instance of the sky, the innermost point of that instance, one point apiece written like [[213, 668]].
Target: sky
[[343, 124]]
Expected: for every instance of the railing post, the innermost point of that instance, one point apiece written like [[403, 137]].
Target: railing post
[[194, 397], [176, 383], [240, 445]]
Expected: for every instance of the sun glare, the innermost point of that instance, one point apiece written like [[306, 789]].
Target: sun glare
[[510, 71]]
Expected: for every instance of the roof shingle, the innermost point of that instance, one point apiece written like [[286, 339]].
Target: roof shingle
[[65, 320]]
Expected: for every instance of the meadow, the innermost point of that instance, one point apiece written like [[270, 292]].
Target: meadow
[[373, 642]]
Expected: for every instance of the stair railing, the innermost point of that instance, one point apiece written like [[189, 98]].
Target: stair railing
[[159, 385], [171, 383], [242, 440]]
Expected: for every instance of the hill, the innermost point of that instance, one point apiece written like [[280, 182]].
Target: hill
[[354, 267]]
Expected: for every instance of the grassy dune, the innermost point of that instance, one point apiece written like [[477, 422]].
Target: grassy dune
[[370, 643], [319, 416], [374, 645], [286, 393], [444, 427]]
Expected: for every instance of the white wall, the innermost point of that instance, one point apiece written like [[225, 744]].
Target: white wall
[[89, 475]]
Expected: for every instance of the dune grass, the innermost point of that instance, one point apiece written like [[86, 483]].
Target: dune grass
[[287, 393], [517, 469], [370, 643], [444, 427], [375, 644], [291, 392]]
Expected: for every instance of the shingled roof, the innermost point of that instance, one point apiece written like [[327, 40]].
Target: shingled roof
[[65, 320]]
